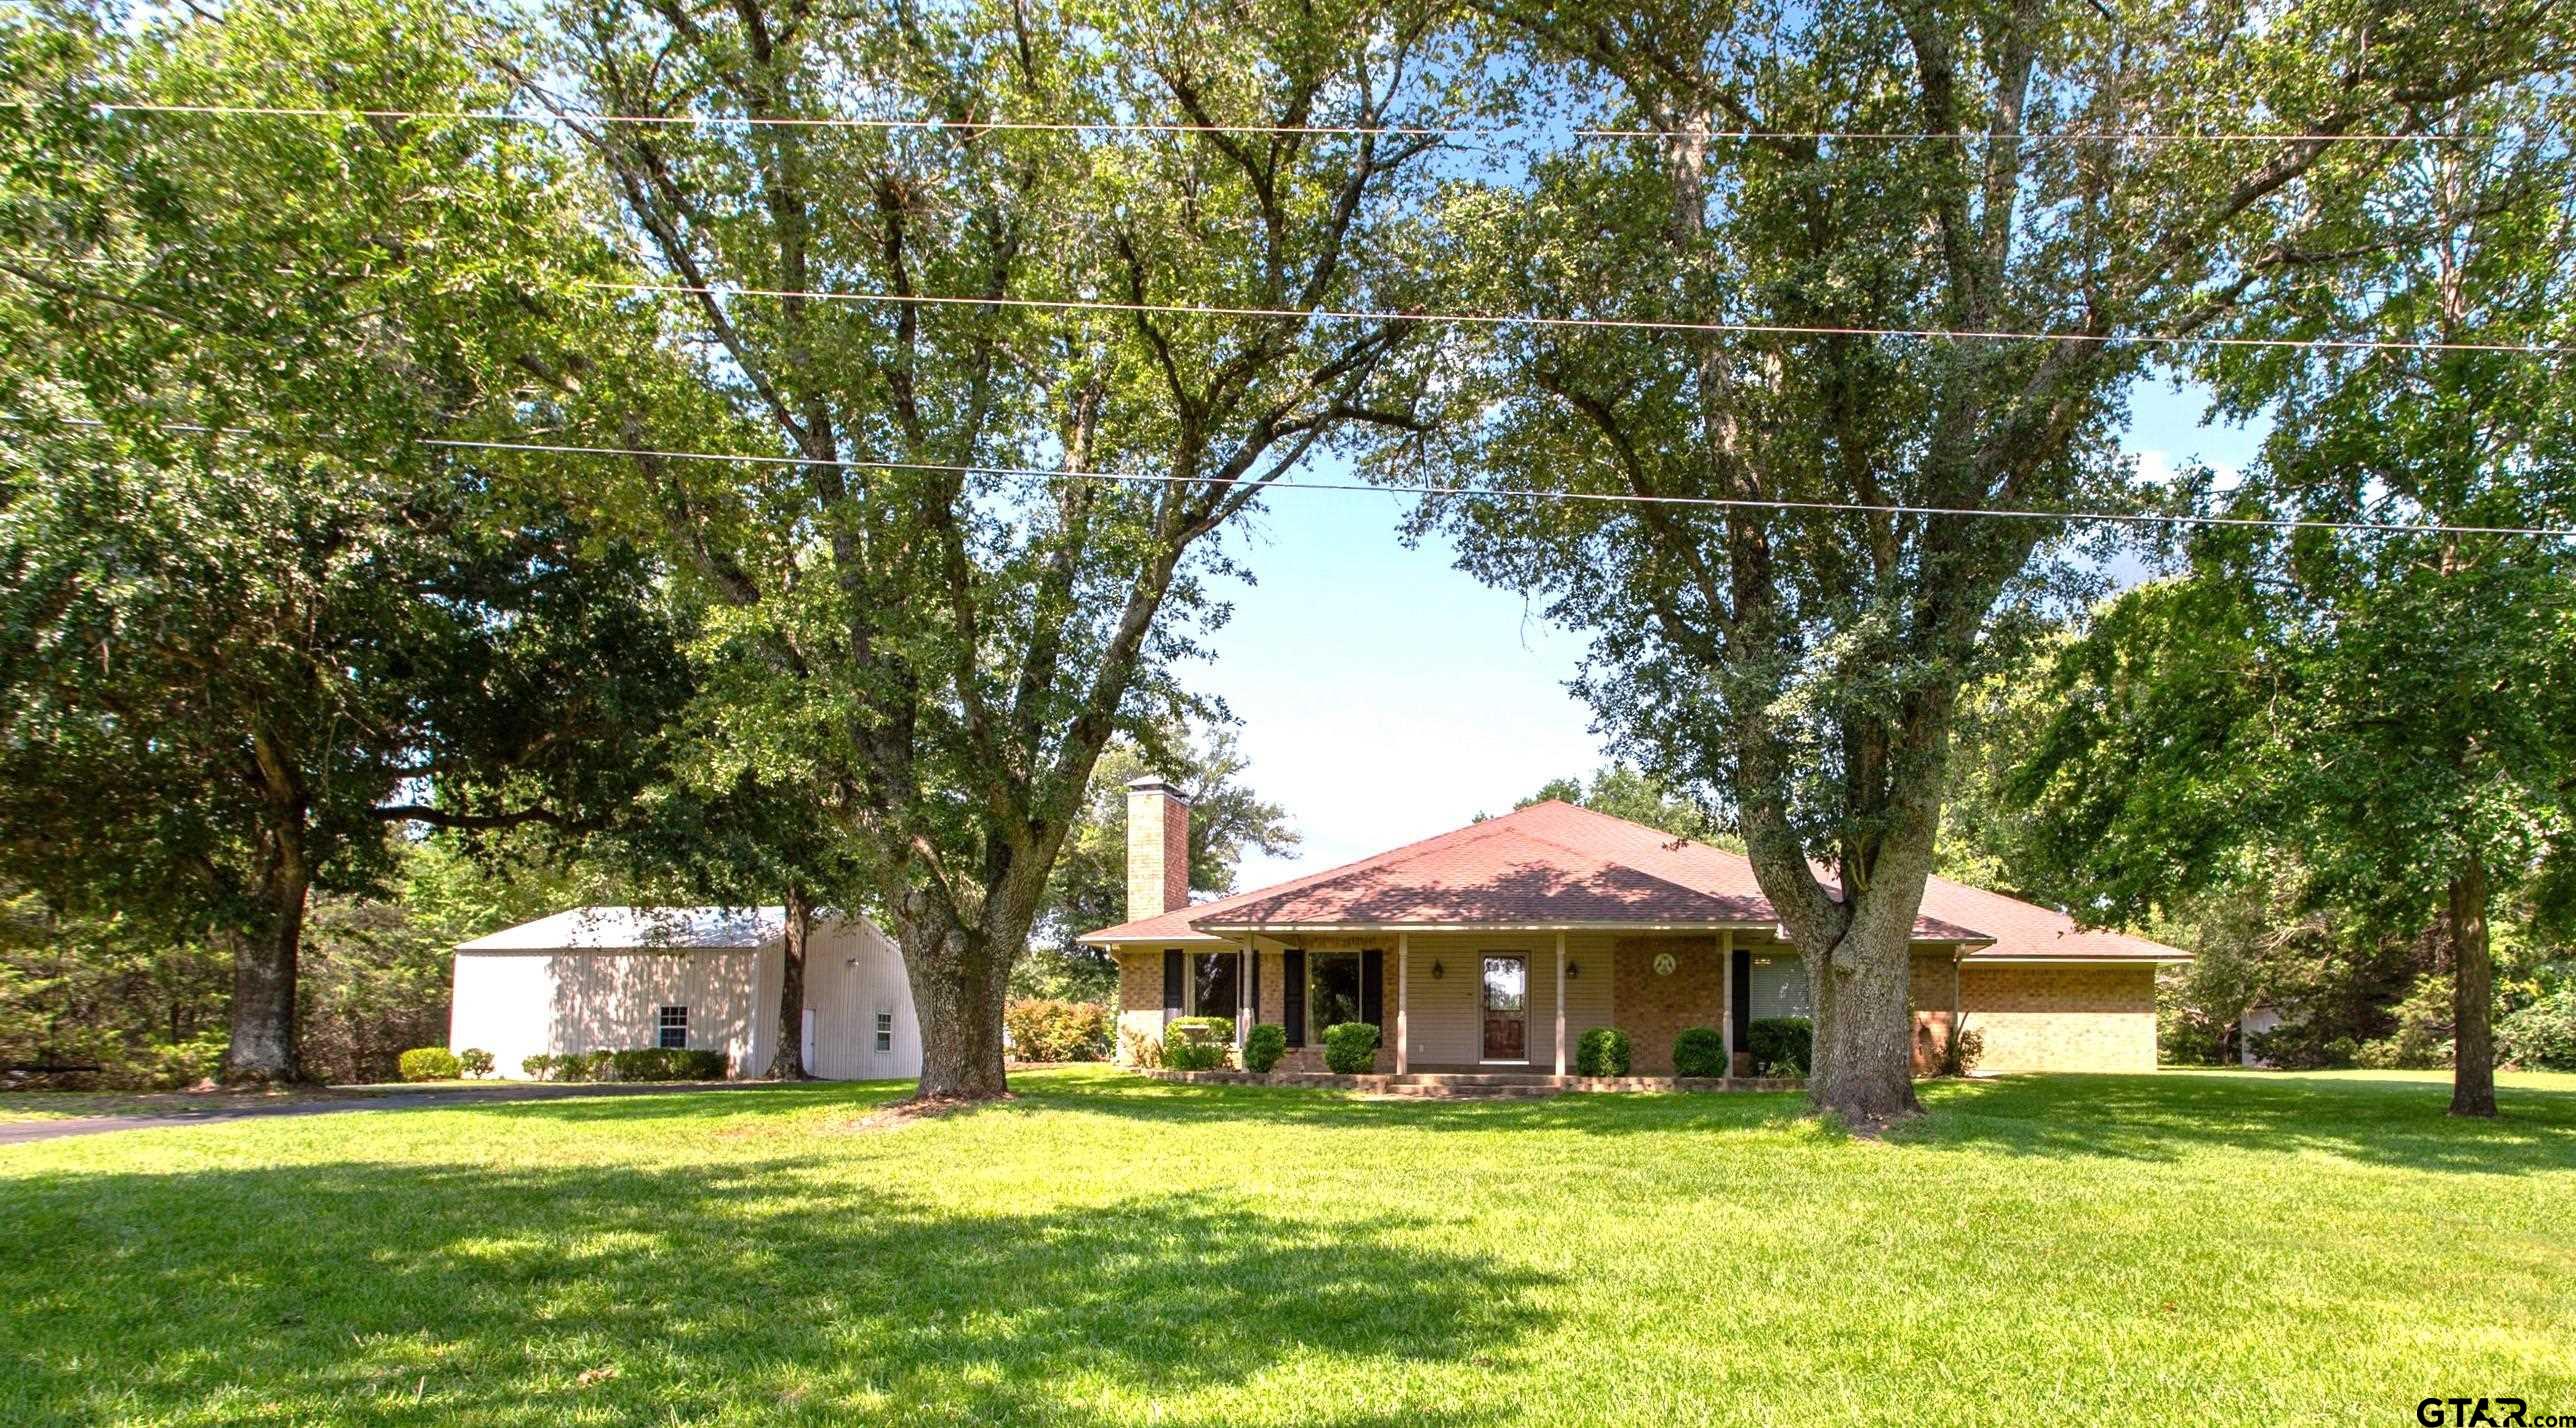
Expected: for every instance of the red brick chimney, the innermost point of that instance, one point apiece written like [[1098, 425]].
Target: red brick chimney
[[1158, 847]]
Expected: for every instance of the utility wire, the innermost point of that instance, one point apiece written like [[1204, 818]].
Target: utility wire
[[1418, 488], [1392, 131], [1536, 320]]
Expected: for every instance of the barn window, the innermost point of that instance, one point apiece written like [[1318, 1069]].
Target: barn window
[[674, 1028], [885, 1030]]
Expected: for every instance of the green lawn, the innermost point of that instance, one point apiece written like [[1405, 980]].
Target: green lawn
[[2186, 1247]]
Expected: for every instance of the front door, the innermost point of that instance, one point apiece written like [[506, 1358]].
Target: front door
[[1507, 1009]]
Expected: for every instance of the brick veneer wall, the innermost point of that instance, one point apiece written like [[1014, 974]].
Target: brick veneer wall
[[1140, 997], [2062, 1018], [1655, 1008]]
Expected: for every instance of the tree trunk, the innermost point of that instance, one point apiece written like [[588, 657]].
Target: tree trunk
[[1863, 996], [958, 987], [787, 1063], [2472, 993], [262, 1048]]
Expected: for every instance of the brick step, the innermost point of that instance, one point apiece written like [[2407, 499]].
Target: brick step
[[1438, 1092]]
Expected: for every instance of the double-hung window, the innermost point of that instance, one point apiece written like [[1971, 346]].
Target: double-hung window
[[885, 1030], [673, 1029]]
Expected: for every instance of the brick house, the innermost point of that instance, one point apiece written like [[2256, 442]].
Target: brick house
[[1495, 946]]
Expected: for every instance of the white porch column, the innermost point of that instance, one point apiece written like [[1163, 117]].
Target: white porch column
[[1726, 995], [1403, 995], [1560, 1002]]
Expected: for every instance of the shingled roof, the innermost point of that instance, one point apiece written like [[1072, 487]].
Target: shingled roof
[[1553, 864]]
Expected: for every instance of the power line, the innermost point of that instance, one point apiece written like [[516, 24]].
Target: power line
[[1771, 329], [1407, 131], [1539, 320], [1419, 488]]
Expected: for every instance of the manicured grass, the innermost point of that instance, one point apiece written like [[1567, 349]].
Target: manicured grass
[[2184, 1247]]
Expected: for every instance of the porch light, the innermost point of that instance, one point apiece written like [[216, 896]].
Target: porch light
[[1573, 970], [1435, 969]]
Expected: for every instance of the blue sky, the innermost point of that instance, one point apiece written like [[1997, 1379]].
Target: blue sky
[[1386, 696]]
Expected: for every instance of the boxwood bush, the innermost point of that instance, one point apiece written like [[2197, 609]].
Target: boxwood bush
[[1781, 1045], [665, 1063], [428, 1063], [1700, 1051], [474, 1061], [1264, 1046], [1603, 1051], [1350, 1049], [1196, 1043], [2542, 1034]]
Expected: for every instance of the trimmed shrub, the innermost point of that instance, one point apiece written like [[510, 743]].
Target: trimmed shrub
[[474, 1061], [428, 1063], [538, 1067], [571, 1066], [1781, 1045], [2542, 1034], [1264, 1046], [665, 1063], [1350, 1049], [1197, 1043], [1603, 1051], [1961, 1048], [1700, 1051], [1043, 1030]]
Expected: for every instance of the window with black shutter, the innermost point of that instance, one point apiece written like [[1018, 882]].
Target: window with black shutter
[[1176, 985], [1373, 991]]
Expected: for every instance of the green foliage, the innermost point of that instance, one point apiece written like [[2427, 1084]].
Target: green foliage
[[1699, 1051], [2541, 1035], [930, 662], [662, 1063], [429, 1063], [1350, 1048], [1800, 667], [1057, 1031], [1781, 1045], [474, 1061], [1196, 1043], [540, 1067], [571, 1066], [1961, 1047], [1602, 1051], [1264, 1046], [254, 654]]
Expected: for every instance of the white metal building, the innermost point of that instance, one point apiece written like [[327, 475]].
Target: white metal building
[[614, 978]]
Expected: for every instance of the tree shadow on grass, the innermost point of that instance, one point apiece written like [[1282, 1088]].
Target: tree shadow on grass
[[767, 1292], [2169, 1116], [1154, 1102]]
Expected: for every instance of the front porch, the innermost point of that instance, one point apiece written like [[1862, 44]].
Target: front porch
[[1499, 1000], [1477, 1084]]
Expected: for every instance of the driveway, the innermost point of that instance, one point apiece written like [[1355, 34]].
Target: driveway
[[22, 1132]]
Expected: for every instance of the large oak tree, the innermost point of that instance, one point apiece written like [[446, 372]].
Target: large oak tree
[[1803, 665], [938, 655]]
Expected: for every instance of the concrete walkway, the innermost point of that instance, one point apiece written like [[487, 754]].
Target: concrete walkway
[[23, 1132]]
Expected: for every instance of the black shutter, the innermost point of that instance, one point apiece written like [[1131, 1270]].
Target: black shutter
[[1255, 993], [1176, 975], [1292, 1005], [1740, 1000], [1373, 993]]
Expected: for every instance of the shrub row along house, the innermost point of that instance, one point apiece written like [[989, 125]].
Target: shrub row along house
[[1496, 946], [693, 978]]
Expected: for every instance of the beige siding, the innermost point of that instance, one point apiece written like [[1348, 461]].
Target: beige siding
[[853, 972], [610, 1001]]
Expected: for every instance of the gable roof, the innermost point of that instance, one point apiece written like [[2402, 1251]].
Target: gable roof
[[639, 928], [1554, 864]]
